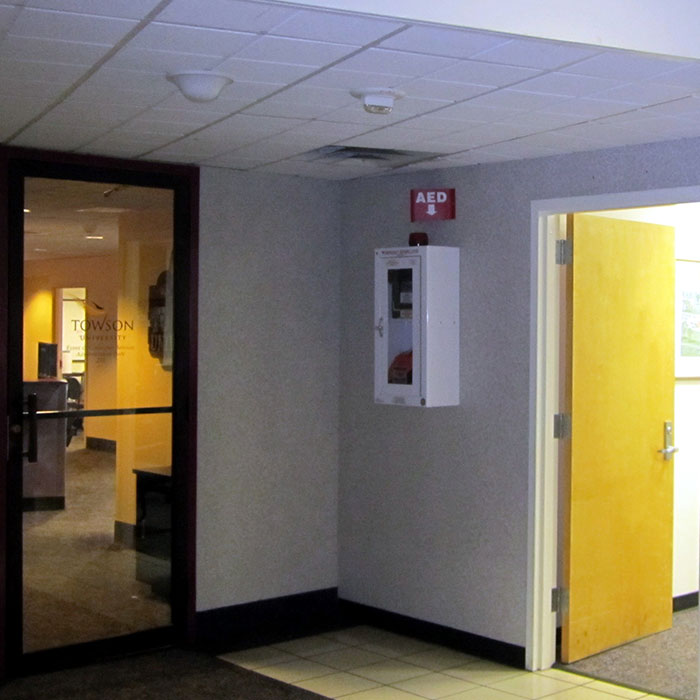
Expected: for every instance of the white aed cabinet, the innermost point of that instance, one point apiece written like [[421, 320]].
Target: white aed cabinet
[[416, 326]]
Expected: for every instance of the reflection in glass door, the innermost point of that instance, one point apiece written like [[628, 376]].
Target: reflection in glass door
[[97, 371]]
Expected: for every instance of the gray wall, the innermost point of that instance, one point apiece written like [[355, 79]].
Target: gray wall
[[432, 507], [434, 502], [268, 387]]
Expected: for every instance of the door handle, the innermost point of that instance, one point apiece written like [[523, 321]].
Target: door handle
[[380, 327], [668, 449], [32, 453]]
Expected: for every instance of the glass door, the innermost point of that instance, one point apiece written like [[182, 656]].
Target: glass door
[[97, 390]]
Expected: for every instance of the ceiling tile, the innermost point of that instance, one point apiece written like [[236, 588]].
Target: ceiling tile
[[687, 76], [68, 26], [61, 73], [443, 41], [442, 90], [32, 92], [263, 71], [137, 59], [516, 100], [297, 51], [107, 117], [44, 134], [335, 27], [409, 65], [225, 14], [475, 112], [234, 97], [106, 79], [688, 107], [52, 50], [643, 93], [588, 108], [130, 9], [532, 53], [625, 66], [567, 85], [242, 129], [351, 79], [478, 73], [7, 16], [175, 37]]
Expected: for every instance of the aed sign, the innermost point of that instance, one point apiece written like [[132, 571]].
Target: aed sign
[[432, 205]]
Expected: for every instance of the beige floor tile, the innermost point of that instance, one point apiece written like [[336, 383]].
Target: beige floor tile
[[383, 693], [484, 672], [439, 658], [348, 658], [257, 657], [293, 671], [434, 685], [581, 692], [619, 691], [336, 685], [560, 674], [396, 645], [531, 685], [482, 693], [389, 671], [310, 646]]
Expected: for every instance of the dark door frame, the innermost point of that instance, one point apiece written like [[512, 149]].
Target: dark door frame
[[15, 164]]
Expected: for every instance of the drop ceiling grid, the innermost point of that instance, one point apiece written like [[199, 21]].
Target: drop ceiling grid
[[465, 90]]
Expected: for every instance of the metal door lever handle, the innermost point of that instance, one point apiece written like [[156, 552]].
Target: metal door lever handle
[[668, 449]]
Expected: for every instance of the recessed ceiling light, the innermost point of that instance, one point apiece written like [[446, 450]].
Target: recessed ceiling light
[[95, 238]]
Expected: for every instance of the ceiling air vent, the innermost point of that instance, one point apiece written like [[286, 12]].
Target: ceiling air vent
[[387, 157]]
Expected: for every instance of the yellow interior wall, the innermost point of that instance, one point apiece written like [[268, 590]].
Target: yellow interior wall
[[99, 276], [38, 323], [145, 244]]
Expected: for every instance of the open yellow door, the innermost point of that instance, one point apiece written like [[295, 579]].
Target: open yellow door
[[619, 525]]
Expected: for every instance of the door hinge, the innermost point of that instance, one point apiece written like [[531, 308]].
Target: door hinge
[[560, 600], [562, 426], [564, 252]]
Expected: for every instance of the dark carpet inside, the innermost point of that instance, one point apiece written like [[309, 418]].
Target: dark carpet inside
[[175, 674], [665, 663]]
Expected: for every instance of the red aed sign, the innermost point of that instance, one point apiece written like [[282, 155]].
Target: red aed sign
[[432, 205]]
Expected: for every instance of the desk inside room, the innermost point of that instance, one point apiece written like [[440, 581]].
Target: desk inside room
[[154, 527]]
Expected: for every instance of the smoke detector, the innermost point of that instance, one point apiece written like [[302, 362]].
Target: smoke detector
[[377, 100]]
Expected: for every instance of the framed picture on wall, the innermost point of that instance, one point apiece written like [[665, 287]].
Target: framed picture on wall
[[687, 318]]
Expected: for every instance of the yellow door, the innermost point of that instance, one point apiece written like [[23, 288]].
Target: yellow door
[[619, 526]]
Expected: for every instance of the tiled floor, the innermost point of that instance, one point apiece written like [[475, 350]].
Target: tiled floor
[[365, 663]]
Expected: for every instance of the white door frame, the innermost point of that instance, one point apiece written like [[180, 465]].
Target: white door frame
[[540, 649]]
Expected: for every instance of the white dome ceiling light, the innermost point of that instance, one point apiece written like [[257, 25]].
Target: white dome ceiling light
[[200, 86]]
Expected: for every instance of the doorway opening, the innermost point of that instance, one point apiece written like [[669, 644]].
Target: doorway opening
[[546, 525]]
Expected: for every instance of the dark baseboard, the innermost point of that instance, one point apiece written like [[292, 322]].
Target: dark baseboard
[[101, 444], [684, 602], [267, 621], [484, 647], [43, 503], [279, 619], [124, 534]]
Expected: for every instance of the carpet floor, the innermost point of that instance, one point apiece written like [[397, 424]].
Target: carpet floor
[[174, 674], [665, 663]]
